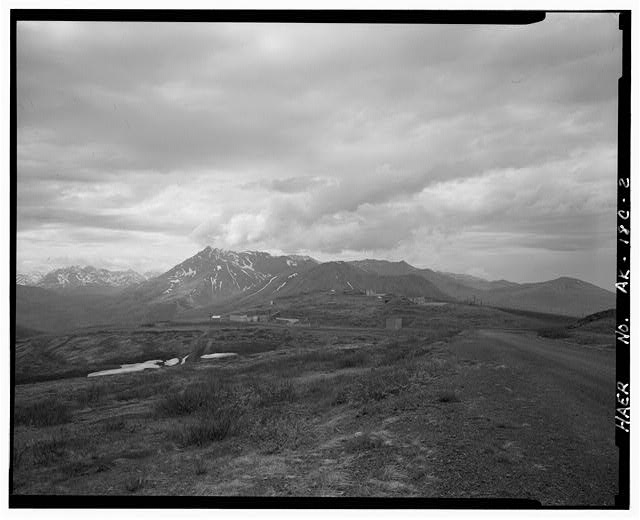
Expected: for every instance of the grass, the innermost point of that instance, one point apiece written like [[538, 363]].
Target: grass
[[213, 407], [273, 406], [208, 427], [47, 412], [324, 413], [43, 453]]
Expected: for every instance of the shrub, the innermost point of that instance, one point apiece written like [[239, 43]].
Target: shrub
[[134, 483], [201, 467], [448, 396], [274, 433], [352, 359], [45, 452], [319, 388], [209, 394], [317, 358], [91, 396], [363, 442], [47, 412], [208, 427], [395, 353], [114, 424], [380, 383], [140, 391], [276, 392], [554, 333]]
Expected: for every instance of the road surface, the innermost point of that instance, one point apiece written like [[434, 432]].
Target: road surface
[[544, 411]]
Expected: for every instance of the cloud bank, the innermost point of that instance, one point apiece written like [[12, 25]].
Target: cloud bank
[[462, 148]]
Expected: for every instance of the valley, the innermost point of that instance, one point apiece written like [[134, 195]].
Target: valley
[[463, 401]]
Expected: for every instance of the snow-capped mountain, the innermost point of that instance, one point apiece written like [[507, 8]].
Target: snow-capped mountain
[[151, 274], [31, 279], [76, 277], [215, 274]]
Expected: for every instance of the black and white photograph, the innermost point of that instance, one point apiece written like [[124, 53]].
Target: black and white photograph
[[311, 258]]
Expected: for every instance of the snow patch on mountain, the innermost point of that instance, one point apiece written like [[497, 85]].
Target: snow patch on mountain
[[31, 279], [76, 276]]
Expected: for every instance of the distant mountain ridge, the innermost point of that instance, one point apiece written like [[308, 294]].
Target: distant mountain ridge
[[212, 277], [564, 295], [75, 277], [30, 279]]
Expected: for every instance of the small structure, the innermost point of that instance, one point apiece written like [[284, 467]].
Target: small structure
[[215, 317], [257, 316], [288, 321], [394, 323]]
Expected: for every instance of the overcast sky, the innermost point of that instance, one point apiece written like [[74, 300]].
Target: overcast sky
[[475, 149]]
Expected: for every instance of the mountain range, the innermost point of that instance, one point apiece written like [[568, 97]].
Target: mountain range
[[77, 296], [74, 277]]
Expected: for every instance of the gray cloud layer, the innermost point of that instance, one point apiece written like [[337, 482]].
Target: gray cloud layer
[[457, 147]]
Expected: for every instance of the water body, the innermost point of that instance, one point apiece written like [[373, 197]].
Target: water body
[[155, 363], [124, 369], [219, 355]]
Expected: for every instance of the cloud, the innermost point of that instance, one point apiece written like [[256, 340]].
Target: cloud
[[328, 139]]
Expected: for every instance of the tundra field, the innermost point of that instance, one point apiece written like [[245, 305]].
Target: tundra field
[[463, 401]]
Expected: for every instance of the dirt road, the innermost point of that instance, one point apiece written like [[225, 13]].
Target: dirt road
[[543, 410], [583, 372]]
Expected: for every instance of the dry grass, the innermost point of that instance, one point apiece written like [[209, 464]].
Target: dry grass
[[272, 407], [208, 426], [46, 412]]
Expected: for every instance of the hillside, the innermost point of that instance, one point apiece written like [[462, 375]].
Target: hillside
[[343, 276], [457, 286], [477, 283], [603, 322], [384, 267], [567, 296], [45, 310]]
